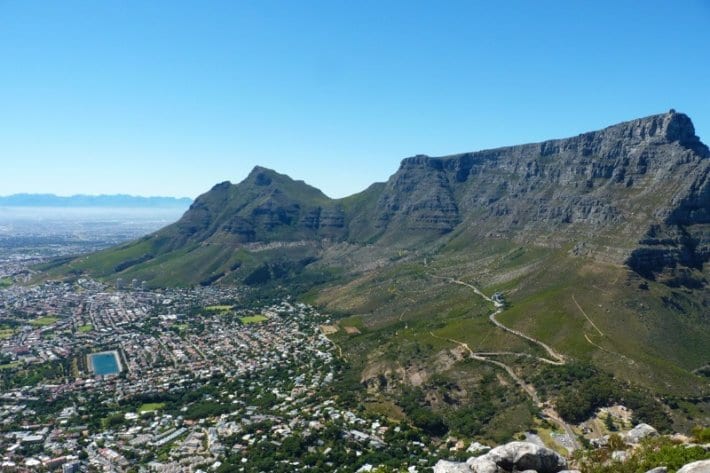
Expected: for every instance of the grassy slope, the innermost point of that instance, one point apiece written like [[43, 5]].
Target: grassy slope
[[647, 339]]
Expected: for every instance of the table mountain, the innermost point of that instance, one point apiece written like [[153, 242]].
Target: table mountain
[[637, 192], [599, 244]]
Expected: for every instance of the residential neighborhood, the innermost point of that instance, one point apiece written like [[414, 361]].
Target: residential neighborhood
[[201, 382]]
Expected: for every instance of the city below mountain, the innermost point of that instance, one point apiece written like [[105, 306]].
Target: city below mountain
[[554, 292]]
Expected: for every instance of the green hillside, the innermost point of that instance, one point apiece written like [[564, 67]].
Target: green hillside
[[599, 245]]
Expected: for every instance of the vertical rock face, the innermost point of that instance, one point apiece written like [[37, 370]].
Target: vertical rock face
[[419, 197], [682, 237], [637, 192]]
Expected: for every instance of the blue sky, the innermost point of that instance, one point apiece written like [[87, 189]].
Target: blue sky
[[170, 97]]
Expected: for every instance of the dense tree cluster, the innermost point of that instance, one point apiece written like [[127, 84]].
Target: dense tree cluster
[[579, 389]]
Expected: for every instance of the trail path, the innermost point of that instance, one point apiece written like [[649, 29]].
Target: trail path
[[558, 359], [586, 316], [530, 390]]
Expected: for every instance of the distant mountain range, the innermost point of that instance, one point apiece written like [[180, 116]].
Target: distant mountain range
[[80, 200]]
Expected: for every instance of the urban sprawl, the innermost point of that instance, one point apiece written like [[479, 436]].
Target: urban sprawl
[[203, 382]]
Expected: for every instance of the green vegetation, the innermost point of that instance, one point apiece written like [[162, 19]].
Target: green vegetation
[[44, 321], [181, 327], [6, 333], [579, 389], [253, 319], [550, 296], [150, 407], [218, 308], [204, 409], [6, 282], [114, 420], [652, 453], [16, 374], [413, 404], [701, 434], [85, 328]]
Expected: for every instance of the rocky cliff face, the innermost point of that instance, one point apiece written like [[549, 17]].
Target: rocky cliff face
[[637, 192], [682, 237]]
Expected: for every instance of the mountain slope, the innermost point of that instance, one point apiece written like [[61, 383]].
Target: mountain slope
[[636, 192], [599, 242]]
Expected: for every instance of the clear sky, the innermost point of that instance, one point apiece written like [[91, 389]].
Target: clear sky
[[171, 97]]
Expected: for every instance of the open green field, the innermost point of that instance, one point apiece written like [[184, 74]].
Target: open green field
[[44, 321], [10, 365], [150, 407], [5, 282], [219, 308], [253, 319], [6, 333], [85, 328]]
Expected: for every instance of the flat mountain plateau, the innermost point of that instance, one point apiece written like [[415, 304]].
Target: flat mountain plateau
[[596, 248]]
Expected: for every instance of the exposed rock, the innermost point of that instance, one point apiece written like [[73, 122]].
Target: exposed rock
[[660, 469], [600, 441], [518, 456], [702, 466], [639, 433], [637, 193], [620, 455], [477, 448], [444, 466], [483, 465]]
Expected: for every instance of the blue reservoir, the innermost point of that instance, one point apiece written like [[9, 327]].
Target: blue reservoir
[[104, 363]]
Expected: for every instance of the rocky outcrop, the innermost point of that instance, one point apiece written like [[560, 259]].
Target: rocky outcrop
[[419, 197], [511, 457], [477, 448], [640, 432], [444, 466], [519, 456], [702, 466], [682, 238]]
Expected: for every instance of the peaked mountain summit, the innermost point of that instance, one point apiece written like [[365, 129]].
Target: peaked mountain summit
[[636, 193], [595, 246]]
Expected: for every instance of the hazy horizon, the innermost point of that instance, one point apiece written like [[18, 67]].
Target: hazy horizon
[[119, 194], [170, 98]]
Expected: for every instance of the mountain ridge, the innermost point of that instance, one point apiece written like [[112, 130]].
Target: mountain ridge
[[633, 193], [599, 244]]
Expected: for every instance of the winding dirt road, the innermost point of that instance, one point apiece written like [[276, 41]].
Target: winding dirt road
[[558, 359]]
